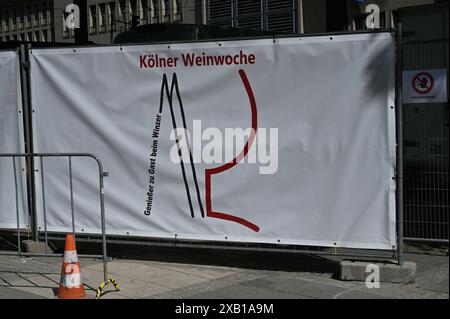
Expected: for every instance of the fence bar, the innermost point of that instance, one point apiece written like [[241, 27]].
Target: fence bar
[[399, 139], [426, 240], [71, 196], [6, 253], [103, 221], [44, 209], [29, 162], [16, 191]]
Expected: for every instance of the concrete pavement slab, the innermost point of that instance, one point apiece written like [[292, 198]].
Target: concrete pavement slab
[[11, 293], [211, 286], [131, 288], [202, 271], [151, 274], [248, 292], [299, 287]]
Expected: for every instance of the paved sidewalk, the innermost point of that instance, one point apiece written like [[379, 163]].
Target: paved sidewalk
[[145, 272]]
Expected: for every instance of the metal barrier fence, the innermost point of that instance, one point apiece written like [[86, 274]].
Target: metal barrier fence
[[425, 142], [378, 255], [41, 157]]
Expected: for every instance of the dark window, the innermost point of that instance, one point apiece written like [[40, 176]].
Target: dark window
[[336, 15], [112, 16], [20, 18], [167, 7], [28, 20], [123, 10], [14, 19], [282, 15], [93, 19], [44, 13], [395, 18], [102, 17], [178, 10], [249, 14], [155, 11], [6, 20], [36, 16], [134, 10], [65, 29], [144, 7], [274, 15], [221, 12]]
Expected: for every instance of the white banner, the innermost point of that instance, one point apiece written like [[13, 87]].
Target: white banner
[[314, 166], [11, 141], [425, 86]]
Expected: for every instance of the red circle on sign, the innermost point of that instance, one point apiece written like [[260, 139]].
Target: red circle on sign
[[422, 82]]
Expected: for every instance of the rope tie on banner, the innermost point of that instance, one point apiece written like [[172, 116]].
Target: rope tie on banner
[[104, 284]]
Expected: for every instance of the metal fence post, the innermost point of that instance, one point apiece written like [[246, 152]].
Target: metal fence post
[[28, 137], [35, 230], [399, 139], [102, 174], [16, 192]]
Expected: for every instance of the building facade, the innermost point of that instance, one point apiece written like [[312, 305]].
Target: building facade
[[44, 20], [26, 21], [303, 16]]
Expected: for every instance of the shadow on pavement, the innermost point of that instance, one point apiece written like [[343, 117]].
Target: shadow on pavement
[[24, 277], [257, 260], [276, 261]]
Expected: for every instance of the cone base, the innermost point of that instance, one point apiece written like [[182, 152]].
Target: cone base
[[71, 293]]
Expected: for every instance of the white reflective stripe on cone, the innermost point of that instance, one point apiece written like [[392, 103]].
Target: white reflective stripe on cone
[[71, 281], [70, 256]]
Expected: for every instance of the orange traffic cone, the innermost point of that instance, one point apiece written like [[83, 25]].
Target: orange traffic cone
[[70, 286]]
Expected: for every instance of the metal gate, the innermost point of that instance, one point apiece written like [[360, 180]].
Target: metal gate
[[14, 158], [425, 141]]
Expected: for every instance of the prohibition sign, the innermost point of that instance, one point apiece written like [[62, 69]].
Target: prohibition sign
[[422, 82]]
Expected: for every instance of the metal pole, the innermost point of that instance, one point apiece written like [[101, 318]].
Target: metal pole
[[71, 196], [35, 233], [102, 212], [234, 21], [17, 203], [82, 33], [27, 111], [264, 15], [205, 12], [399, 139], [43, 204]]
